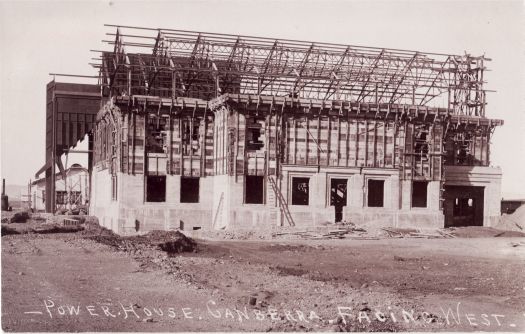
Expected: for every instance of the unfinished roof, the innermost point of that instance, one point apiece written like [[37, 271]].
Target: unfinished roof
[[179, 63]]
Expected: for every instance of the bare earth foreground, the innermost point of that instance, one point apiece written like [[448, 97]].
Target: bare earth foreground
[[84, 281]]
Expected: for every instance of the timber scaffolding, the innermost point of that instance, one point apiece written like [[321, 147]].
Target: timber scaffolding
[[179, 63], [318, 104]]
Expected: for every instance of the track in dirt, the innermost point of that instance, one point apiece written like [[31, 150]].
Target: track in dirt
[[286, 282]]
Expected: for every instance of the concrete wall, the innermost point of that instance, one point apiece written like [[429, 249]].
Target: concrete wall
[[130, 211], [101, 204], [221, 200], [396, 211]]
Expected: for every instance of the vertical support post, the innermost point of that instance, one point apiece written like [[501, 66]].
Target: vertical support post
[[395, 132], [356, 153], [173, 85], [348, 127], [192, 120], [236, 145], [366, 142], [318, 139], [145, 158], [90, 163], [29, 195], [66, 189], [169, 139], [268, 133], [329, 138], [448, 100], [402, 157], [181, 146], [294, 129], [384, 143], [287, 136], [306, 140], [133, 121], [474, 139], [51, 176], [338, 140], [374, 148], [204, 126], [129, 81]]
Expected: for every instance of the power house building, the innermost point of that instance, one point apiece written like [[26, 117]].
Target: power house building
[[212, 131]]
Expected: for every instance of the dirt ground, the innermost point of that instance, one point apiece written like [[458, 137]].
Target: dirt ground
[[94, 281]]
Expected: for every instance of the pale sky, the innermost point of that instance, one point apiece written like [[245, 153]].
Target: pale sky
[[37, 38]]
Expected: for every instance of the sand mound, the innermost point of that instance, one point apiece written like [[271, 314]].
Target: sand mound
[[482, 232], [514, 221]]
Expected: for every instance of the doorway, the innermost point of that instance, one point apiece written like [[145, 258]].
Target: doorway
[[463, 206], [338, 190]]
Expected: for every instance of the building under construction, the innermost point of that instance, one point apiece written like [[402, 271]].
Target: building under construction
[[201, 130]]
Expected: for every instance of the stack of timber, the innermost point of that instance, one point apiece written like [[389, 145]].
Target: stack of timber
[[394, 232], [331, 231]]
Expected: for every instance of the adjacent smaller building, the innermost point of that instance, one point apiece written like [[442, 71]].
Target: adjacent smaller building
[[71, 191]]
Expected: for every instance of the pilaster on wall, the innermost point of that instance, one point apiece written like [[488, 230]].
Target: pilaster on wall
[[318, 191], [356, 191], [387, 197], [406, 194], [492, 203], [394, 193], [433, 196], [173, 189]]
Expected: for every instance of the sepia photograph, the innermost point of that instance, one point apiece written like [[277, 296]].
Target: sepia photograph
[[262, 166]]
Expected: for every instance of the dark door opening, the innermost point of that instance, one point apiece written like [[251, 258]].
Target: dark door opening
[[338, 190], [463, 206]]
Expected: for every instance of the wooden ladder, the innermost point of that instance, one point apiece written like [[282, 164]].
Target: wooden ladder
[[282, 202], [219, 210]]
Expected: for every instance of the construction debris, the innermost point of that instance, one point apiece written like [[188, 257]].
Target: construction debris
[[325, 231], [168, 241], [20, 217]]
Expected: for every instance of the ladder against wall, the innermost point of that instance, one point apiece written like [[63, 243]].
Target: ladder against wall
[[218, 219], [283, 206]]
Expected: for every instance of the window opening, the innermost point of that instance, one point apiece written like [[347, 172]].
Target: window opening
[[156, 188], [376, 193], [300, 190], [254, 189], [189, 190]]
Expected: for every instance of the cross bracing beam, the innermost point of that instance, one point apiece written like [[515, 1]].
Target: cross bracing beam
[[264, 66]]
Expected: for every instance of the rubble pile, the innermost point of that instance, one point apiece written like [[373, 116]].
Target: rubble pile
[[170, 242], [20, 217]]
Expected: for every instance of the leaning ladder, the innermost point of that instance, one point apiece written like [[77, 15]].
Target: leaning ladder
[[219, 210], [282, 201]]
